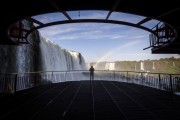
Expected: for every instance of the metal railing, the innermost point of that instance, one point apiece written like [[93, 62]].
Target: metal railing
[[164, 35], [10, 83]]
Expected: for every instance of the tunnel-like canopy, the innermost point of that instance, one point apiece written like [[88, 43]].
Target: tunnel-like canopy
[[165, 11]]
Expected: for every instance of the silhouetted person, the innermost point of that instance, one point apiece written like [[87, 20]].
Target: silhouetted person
[[91, 73]]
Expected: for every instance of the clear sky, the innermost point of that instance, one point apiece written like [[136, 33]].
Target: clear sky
[[100, 41]]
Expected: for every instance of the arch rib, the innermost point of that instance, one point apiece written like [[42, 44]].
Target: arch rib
[[90, 21]]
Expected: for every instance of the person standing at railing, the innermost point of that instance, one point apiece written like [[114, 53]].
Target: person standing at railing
[[91, 73]]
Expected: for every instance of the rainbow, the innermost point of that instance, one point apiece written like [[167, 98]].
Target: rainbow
[[113, 51]]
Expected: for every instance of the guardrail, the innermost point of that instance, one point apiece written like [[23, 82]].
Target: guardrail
[[164, 35], [10, 83]]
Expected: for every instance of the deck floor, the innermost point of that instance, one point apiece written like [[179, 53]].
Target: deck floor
[[85, 100]]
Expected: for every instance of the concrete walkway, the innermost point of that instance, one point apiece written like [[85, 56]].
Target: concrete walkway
[[83, 100]]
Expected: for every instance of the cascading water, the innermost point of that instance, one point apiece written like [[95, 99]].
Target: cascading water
[[78, 61], [153, 66], [174, 64], [54, 58], [48, 56], [142, 66], [88, 65], [111, 66], [105, 66], [18, 59]]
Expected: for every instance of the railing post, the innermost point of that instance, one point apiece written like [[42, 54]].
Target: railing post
[[142, 78], [15, 83], [35, 80], [171, 86], [114, 75], [159, 77], [66, 76], [178, 83], [127, 76], [52, 76], [78, 76]]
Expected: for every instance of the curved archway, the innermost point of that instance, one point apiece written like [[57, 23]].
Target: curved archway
[[163, 10], [161, 33]]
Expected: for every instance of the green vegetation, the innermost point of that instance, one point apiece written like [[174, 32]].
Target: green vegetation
[[163, 65]]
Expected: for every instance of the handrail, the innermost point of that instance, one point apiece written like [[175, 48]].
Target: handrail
[[20, 81], [87, 71]]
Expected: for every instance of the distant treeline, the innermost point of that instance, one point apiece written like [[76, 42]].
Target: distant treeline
[[163, 65]]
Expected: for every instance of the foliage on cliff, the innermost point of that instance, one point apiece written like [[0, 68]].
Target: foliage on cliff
[[163, 65]]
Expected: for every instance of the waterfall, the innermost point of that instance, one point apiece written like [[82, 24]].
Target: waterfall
[[174, 64], [111, 66], [77, 60], [153, 66], [47, 57], [142, 66], [16, 59], [54, 58], [107, 66], [101, 66], [88, 65]]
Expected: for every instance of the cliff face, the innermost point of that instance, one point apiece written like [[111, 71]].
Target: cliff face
[[166, 65]]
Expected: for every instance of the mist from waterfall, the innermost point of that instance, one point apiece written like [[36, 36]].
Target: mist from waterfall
[[109, 66], [104, 66]]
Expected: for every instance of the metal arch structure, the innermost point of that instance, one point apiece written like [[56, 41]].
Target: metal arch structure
[[89, 21], [165, 37]]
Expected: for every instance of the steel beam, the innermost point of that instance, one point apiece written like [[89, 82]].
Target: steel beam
[[90, 21], [59, 10], [168, 12], [116, 4], [34, 21], [144, 20], [15, 36], [19, 29]]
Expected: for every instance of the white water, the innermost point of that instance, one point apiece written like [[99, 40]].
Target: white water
[[142, 66], [111, 66], [105, 66], [153, 66], [54, 58], [88, 65], [174, 64]]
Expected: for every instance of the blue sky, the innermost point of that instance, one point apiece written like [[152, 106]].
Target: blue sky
[[100, 41]]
